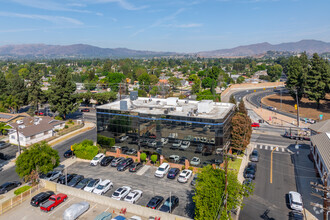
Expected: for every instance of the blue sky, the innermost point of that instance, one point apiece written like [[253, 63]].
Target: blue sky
[[163, 25]]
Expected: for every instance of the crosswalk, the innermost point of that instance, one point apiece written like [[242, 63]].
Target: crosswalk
[[280, 149]]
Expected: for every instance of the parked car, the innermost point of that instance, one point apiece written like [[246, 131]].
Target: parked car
[[207, 151], [116, 161], [6, 187], [97, 159], [135, 167], [53, 201], [174, 158], [184, 176], [195, 161], [216, 161], [119, 217], [124, 149], [152, 143], [103, 187], [219, 151], [133, 196], [199, 149], [123, 138], [75, 210], [255, 125], [53, 175], [176, 144], [131, 152], [4, 145], [40, 198], [183, 160], [250, 171], [164, 141], [92, 185], [122, 166], [4, 156], [106, 160], [104, 216], [184, 145], [173, 173], [68, 178], [75, 180], [254, 156], [162, 170], [170, 204], [68, 154], [295, 201], [85, 110], [194, 180], [296, 215], [135, 218], [121, 192], [155, 202], [83, 183]]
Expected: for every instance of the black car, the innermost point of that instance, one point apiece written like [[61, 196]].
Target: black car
[[135, 167], [216, 161], [144, 143], [83, 183], [182, 160], [116, 161], [206, 163], [134, 141], [207, 151], [75, 180], [4, 156], [250, 171], [155, 202], [173, 173], [69, 153], [125, 164], [199, 149], [170, 204], [6, 187], [194, 180], [69, 177], [296, 215], [40, 198], [106, 160], [124, 149], [4, 145]]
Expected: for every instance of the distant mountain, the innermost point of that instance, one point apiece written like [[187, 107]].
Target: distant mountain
[[310, 46], [73, 51]]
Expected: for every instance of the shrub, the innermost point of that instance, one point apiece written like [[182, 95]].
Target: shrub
[[85, 150], [143, 156], [58, 118], [70, 122], [183, 167], [191, 168], [154, 158], [21, 190], [66, 126], [105, 141]]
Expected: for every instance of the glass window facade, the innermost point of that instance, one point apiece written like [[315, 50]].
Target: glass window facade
[[168, 135]]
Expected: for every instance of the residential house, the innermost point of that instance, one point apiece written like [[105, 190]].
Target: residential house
[[31, 130], [8, 117]]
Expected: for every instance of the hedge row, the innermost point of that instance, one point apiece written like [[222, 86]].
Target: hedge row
[[21, 190], [105, 141], [85, 150]]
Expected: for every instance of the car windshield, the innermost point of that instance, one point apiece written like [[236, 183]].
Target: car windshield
[[297, 203], [100, 187], [91, 183], [49, 174], [195, 159], [95, 158], [167, 203], [161, 169], [129, 197], [254, 153], [116, 194]]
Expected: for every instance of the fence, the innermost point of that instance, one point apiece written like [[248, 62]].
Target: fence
[[15, 201]]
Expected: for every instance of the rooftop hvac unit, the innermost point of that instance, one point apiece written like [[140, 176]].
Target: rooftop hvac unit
[[133, 95], [186, 101], [123, 105], [150, 100], [165, 111], [19, 122]]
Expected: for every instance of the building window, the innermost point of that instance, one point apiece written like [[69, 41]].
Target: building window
[[33, 137], [12, 136]]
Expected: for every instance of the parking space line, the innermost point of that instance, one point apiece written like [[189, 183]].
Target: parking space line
[[266, 147], [271, 147], [143, 170], [59, 206], [88, 210], [282, 149], [107, 209], [277, 149]]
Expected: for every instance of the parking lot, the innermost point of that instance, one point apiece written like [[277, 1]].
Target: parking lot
[[145, 181]]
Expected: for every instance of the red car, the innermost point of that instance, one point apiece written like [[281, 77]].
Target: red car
[[39, 113], [255, 125], [53, 201], [85, 110]]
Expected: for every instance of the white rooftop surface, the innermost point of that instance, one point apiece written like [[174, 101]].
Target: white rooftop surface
[[174, 106]]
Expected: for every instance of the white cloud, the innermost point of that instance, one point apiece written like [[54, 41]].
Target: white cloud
[[122, 3], [53, 19], [18, 30]]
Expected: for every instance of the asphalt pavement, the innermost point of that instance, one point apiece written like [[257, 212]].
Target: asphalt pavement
[[270, 196]]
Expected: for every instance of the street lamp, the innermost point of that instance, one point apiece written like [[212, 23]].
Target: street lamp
[[295, 89]]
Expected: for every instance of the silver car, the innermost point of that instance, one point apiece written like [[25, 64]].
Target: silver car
[[254, 156], [75, 210]]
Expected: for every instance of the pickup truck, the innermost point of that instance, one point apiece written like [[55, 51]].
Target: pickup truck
[[53, 201]]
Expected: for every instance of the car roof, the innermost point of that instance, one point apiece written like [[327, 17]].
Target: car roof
[[295, 196], [100, 154], [163, 165], [105, 181]]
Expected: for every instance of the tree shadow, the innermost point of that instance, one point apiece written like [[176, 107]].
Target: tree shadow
[[189, 209]]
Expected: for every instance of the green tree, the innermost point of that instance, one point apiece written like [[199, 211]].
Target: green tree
[[143, 157], [174, 82], [315, 83], [274, 72], [16, 92], [85, 149], [114, 79], [62, 98], [142, 93], [144, 81], [153, 158], [154, 91], [3, 84], [295, 78], [240, 79], [210, 194], [241, 108], [196, 87], [208, 82], [104, 97], [3, 128], [35, 94], [153, 80], [40, 157]]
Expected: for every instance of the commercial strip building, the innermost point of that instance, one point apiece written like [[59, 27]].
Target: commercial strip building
[[168, 126], [320, 146]]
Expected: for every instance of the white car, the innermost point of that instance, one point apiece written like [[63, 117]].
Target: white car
[[97, 159], [218, 151], [133, 196], [195, 161], [92, 185], [162, 170], [164, 140], [174, 158], [121, 192], [123, 138], [295, 201], [185, 145], [135, 218], [184, 176], [103, 187], [152, 143]]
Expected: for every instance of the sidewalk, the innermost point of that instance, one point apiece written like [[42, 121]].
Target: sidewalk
[[304, 174]]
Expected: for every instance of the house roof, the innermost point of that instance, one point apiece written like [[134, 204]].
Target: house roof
[[43, 124], [323, 126], [322, 143], [8, 117]]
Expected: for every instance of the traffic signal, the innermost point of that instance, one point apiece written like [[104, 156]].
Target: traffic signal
[[295, 106]]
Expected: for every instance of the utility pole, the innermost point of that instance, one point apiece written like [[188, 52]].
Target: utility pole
[[19, 146], [226, 181], [325, 199], [297, 108]]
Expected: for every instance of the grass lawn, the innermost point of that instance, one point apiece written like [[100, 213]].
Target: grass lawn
[[235, 165]]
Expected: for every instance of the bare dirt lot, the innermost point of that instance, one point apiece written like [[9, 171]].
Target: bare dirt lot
[[307, 108]]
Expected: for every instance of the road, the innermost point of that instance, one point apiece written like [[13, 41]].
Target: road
[[270, 196], [11, 175]]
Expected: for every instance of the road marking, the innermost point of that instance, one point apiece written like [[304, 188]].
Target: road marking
[[277, 148], [271, 147], [143, 170], [271, 166], [88, 210]]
